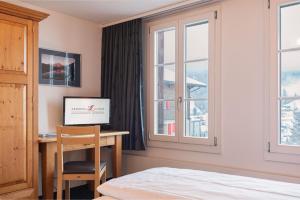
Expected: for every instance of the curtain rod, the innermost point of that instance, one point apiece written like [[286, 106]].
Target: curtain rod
[[165, 10], [179, 9]]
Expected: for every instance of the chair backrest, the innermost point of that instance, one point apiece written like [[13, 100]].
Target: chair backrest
[[77, 135]]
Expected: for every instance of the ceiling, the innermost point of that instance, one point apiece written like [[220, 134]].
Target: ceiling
[[103, 11]]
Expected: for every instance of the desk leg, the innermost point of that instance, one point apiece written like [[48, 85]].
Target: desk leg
[[117, 156], [48, 163]]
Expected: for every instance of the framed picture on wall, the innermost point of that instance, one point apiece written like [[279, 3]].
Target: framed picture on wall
[[59, 68]]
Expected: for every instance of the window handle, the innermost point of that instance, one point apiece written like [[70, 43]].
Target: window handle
[[179, 101]]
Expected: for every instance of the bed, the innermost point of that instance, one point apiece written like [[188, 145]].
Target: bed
[[174, 184]]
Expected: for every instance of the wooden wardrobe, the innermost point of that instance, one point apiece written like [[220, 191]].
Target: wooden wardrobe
[[18, 101]]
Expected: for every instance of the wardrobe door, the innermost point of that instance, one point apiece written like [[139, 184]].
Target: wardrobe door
[[16, 105]]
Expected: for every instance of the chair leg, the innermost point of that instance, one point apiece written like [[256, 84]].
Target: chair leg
[[59, 187], [96, 184], [67, 190]]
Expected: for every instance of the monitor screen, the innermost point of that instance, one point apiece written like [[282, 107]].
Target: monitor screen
[[86, 111]]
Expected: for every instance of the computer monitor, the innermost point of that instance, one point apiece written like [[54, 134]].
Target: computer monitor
[[85, 111]]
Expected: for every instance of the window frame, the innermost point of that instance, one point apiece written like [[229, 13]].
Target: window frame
[[274, 146], [179, 20], [151, 73], [210, 17]]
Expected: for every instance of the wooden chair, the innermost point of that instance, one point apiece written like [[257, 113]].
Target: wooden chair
[[78, 170]]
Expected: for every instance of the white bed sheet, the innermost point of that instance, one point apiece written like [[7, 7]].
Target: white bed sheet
[[174, 184], [105, 198]]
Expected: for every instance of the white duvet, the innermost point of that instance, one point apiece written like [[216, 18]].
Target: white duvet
[[174, 184]]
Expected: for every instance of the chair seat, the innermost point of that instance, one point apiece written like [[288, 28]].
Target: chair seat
[[81, 167]]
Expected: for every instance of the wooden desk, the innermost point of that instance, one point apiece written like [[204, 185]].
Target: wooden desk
[[48, 148]]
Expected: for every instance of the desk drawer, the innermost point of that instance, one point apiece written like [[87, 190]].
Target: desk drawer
[[110, 140], [107, 141]]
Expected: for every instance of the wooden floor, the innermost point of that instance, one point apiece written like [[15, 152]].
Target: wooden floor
[[81, 192]]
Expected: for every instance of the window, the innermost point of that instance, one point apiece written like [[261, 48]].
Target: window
[[285, 77], [195, 75], [164, 83], [182, 73]]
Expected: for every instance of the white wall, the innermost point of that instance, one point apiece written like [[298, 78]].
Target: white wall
[[242, 97], [64, 33]]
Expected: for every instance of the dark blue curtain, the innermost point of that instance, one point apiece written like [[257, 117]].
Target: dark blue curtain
[[122, 80]]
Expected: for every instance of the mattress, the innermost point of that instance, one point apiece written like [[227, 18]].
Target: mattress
[[174, 184]]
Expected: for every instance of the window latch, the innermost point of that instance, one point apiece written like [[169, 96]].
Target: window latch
[[179, 101]]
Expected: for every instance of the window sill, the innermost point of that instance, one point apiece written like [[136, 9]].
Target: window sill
[[185, 147], [282, 157]]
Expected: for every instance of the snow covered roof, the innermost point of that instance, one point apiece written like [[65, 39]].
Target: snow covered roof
[[169, 76]]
